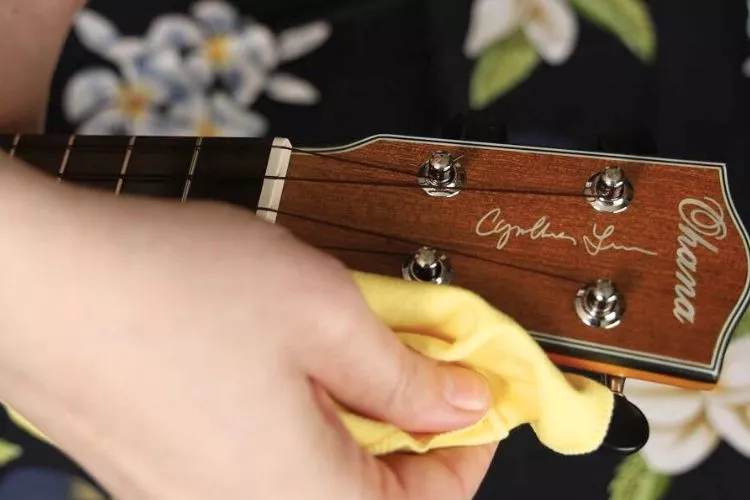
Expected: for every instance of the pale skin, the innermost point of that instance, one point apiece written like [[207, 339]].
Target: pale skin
[[153, 341]]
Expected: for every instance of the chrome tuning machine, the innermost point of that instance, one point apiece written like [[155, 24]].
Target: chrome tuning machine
[[600, 304], [441, 175], [428, 265], [609, 190]]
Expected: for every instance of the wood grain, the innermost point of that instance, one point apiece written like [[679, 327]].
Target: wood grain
[[535, 280]]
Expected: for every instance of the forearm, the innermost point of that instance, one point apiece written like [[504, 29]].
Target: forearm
[[46, 362], [32, 33], [27, 217]]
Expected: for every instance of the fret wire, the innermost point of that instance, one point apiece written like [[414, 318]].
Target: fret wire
[[191, 170], [66, 158], [14, 146], [124, 169]]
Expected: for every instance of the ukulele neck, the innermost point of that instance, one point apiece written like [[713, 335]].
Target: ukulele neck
[[244, 171]]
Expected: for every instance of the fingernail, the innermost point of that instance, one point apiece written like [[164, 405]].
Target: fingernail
[[466, 389]]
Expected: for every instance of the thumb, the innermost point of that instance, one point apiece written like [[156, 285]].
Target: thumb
[[370, 371]]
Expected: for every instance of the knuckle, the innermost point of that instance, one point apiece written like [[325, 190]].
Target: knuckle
[[399, 400]]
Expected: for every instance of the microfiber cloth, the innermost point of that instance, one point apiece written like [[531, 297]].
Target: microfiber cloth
[[569, 413]]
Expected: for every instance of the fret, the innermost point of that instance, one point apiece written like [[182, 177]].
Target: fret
[[231, 170], [66, 158], [14, 145], [95, 161], [124, 169], [158, 166], [191, 171], [222, 169], [44, 152]]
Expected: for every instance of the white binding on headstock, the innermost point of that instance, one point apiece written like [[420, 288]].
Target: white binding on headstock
[[278, 163]]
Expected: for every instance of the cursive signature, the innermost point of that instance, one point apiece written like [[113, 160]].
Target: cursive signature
[[492, 223], [600, 242]]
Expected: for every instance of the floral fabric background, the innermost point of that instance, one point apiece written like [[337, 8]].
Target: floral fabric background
[[665, 77]]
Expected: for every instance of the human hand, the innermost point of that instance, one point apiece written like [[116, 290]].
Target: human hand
[[33, 33], [194, 351]]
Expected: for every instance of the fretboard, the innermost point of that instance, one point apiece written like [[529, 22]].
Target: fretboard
[[225, 169]]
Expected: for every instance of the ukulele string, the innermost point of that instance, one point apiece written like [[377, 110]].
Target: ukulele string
[[155, 149], [373, 166], [392, 169], [93, 178], [90, 177], [407, 241], [411, 185]]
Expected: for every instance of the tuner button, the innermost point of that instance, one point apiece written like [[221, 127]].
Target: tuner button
[[429, 266], [441, 175], [599, 304], [612, 177], [628, 428], [609, 190], [440, 167]]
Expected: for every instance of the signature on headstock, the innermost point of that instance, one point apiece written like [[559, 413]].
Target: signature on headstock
[[600, 240], [700, 219]]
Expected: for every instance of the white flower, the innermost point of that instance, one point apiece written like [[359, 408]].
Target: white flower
[[126, 101], [217, 115], [96, 33], [107, 102], [167, 80], [686, 426], [550, 26], [242, 54]]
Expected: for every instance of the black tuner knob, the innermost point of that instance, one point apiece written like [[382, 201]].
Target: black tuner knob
[[628, 429], [482, 126]]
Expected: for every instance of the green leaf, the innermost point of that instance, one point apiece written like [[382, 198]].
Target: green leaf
[[9, 452], [634, 480], [629, 20], [501, 67], [83, 490]]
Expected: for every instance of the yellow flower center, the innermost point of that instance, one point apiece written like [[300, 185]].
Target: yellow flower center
[[207, 129], [536, 12], [134, 101], [217, 50]]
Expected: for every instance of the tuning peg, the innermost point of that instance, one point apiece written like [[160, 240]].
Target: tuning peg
[[628, 429], [479, 126], [428, 265], [638, 142]]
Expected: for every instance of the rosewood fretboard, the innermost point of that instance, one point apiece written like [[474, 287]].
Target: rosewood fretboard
[[225, 169]]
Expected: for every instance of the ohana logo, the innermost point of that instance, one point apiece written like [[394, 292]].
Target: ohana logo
[[701, 219]]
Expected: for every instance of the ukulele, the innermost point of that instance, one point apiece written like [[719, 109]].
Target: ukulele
[[618, 266]]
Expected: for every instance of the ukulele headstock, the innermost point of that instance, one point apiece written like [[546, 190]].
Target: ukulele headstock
[[620, 265]]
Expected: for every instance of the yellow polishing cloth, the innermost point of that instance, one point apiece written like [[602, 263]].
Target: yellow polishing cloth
[[569, 413]]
